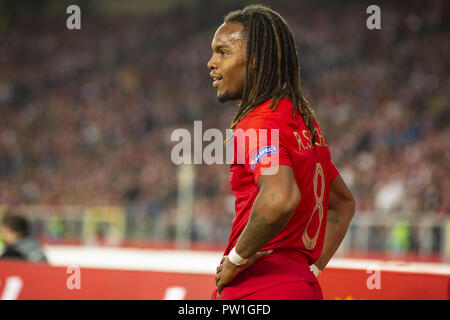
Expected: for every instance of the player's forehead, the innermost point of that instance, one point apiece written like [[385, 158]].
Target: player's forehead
[[228, 35]]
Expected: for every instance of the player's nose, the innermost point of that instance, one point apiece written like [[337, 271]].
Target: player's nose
[[211, 65]]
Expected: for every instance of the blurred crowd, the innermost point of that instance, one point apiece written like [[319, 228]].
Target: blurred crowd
[[86, 116]]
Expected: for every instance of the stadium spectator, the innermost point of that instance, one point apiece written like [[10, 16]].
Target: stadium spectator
[[19, 244]]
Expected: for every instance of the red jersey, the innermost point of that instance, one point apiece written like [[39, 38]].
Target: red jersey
[[277, 138], [293, 147]]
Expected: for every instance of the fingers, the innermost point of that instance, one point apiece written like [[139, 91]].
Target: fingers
[[217, 278], [218, 275], [220, 284], [219, 270], [219, 288]]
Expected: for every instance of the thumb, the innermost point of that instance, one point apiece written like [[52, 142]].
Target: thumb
[[261, 254]]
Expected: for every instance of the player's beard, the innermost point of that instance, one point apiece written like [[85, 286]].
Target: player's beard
[[227, 96]]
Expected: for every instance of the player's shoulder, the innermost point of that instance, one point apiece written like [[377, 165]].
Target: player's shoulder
[[265, 117]]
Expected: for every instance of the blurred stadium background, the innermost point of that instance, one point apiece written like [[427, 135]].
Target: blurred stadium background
[[86, 118]]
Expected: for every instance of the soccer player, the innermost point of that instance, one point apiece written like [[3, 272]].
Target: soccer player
[[292, 206]]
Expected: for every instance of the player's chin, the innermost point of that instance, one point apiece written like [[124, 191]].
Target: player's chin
[[226, 96], [222, 97]]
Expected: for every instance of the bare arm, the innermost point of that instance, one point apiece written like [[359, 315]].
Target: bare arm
[[272, 209], [341, 209]]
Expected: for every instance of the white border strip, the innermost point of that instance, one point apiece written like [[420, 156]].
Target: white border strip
[[200, 262], [395, 266]]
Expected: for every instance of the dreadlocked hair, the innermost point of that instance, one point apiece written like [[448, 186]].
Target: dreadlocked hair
[[273, 71]]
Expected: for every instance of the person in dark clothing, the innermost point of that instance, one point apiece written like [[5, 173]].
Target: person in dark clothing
[[19, 244]]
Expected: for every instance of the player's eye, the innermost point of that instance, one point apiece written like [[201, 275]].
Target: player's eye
[[223, 53]]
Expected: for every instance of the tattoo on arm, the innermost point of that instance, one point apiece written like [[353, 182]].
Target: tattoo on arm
[[256, 234], [334, 220]]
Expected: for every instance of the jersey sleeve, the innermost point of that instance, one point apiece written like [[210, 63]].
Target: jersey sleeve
[[333, 171], [265, 146]]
